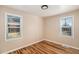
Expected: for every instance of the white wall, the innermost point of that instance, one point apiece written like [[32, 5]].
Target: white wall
[[32, 30], [36, 28], [52, 29]]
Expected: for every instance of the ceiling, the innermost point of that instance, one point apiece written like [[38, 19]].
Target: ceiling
[[52, 9]]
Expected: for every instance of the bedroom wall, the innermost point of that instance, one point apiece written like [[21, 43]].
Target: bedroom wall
[[52, 29], [36, 28], [32, 30]]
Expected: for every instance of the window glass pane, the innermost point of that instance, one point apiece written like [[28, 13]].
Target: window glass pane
[[66, 26], [13, 19], [13, 27]]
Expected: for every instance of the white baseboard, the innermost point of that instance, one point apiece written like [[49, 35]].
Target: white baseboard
[[37, 42], [65, 45], [20, 47]]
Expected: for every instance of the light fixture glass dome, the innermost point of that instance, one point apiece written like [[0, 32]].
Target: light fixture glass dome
[[44, 7]]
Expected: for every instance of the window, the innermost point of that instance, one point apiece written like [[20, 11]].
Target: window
[[13, 26], [66, 26]]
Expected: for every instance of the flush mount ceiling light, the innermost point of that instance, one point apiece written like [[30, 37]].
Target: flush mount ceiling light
[[44, 7]]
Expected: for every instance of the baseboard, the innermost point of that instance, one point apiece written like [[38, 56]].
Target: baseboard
[[20, 47], [63, 44], [37, 42]]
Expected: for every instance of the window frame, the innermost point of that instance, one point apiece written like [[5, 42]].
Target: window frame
[[6, 27], [72, 28]]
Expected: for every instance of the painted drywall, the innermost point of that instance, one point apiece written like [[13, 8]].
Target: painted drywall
[[32, 30], [35, 29], [52, 29]]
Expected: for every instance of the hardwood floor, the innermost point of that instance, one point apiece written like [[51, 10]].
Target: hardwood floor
[[46, 47]]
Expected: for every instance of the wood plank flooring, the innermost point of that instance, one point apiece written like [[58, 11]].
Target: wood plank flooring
[[45, 47]]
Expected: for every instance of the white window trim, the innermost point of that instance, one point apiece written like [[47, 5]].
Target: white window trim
[[72, 36], [21, 26]]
